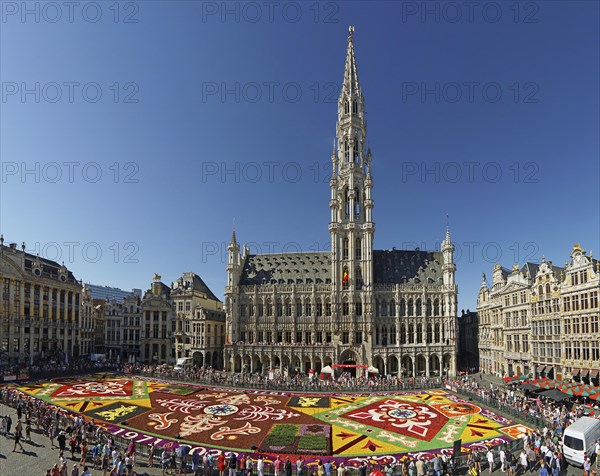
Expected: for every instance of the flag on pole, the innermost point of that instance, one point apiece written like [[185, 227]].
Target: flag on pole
[[346, 277]]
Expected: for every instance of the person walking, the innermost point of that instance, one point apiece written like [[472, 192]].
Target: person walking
[[288, 466], [490, 459], [165, 459], [299, 466], [587, 466], [18, 441], [151, 452], [524, 461], [260, 466]]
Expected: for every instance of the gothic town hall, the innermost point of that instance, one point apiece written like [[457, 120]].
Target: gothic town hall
[[390, 310]]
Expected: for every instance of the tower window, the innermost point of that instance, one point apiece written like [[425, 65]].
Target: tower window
[[359, 279], [356, 203], [355, 151], [354, 107], [346, 204], [358, 249], [345, 248], [346, 107], [346, 150]]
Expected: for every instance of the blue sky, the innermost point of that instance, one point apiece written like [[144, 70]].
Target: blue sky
[[148, 127]]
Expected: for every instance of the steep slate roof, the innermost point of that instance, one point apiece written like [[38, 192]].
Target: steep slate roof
[[196, 283], [304, 268], [400, 266], [533, 269], [390, 267]]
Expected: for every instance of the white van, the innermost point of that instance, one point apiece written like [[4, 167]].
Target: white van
[[184, 363], [579, 440]]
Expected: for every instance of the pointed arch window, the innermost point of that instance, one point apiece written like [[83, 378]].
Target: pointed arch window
[[428, 307], [436, 307], [347, 203], [345, 252], [346, 107], [358, 249], [393, 335], [354, 107], [411, 334], [393, 308], [355, 150], [346, 150], [419, 333], [410, 307], [403, 334], [419, 308], [402, 307], [359, 278], [429, 334], [437, 333], [357, 203]]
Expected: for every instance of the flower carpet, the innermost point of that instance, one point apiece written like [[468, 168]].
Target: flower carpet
[[349, 427]]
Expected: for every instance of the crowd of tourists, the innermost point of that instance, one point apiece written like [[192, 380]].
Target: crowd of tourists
[[46, 367], [278, 381], [557, 415]]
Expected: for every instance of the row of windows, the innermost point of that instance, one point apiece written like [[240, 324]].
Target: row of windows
[[515, 318], [545, 307], [434, 334], [581, 325], [581, 301], [517, 343], [409, 308], [580, 277], [515, 298], [547, 349], [582, 350], [546, 328], [279, 337], [259, 309]]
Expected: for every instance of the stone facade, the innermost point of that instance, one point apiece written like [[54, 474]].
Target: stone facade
[[40, 311], [199, 321], [390, 309], [552, 308], [157, 344]]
